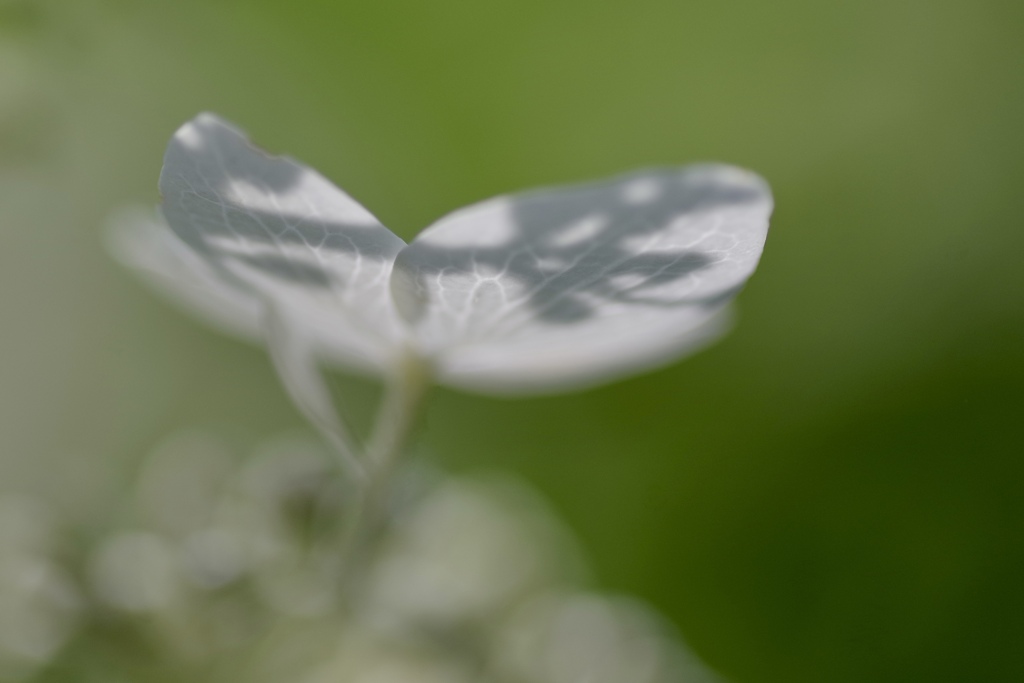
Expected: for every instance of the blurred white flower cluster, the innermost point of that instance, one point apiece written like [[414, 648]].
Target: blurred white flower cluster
[[221, 569], [39, 603]]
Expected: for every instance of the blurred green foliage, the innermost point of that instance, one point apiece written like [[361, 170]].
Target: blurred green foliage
[[831, 494]]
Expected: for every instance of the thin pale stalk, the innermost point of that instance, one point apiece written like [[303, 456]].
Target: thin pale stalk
[[393, 428], [304, 382]]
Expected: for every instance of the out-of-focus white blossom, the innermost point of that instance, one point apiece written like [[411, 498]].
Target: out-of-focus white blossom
[[39, 601], [473, 581]]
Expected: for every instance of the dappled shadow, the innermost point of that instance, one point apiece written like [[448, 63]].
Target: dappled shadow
[[567, 249], [575, 246], [230, 201]]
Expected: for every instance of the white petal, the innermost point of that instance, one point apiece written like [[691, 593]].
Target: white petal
[[140, 239], [569, 287], [275, 230]]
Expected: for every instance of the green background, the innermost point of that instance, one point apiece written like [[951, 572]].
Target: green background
[[832, 493]]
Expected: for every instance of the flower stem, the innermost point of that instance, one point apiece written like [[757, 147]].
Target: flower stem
[[394, 425], [297, 367]]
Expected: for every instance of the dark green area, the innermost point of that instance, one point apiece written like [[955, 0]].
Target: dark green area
[[830, 494]]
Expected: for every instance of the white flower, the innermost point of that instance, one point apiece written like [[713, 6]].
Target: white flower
[[534, 292]]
